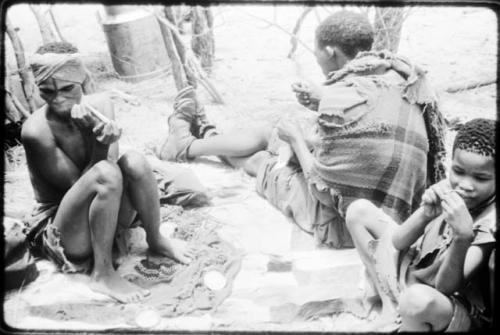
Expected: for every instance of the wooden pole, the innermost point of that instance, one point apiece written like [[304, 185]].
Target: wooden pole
[[193, 71], [177, 67], [48, 35], [15, 109], [56, 26], [200, 41], [25, 73]]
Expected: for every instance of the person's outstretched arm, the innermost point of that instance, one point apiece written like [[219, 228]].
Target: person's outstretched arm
[[290, 132]]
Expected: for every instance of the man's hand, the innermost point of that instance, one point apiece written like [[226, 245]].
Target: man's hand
[[306, 96], [457, 215], [288, 130], [82, 117], [107, 133]]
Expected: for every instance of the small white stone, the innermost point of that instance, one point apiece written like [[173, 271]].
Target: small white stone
[[166, 230], [214, 280]]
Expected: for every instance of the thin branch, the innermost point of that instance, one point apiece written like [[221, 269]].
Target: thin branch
[[296, 29], [470, 85], [56, 26], [280, 28]]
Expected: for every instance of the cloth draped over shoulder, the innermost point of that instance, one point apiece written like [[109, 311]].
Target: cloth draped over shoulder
[[382, 135], [62, 66]]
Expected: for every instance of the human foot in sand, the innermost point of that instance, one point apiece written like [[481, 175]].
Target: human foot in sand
[[172, 248], [113, 285]]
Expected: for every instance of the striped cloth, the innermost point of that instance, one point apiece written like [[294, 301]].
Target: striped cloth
[[373, 138]]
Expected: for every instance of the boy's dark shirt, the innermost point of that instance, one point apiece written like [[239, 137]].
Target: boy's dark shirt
[[428, 252]]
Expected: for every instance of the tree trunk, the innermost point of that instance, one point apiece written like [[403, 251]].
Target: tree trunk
[[180, 48], [24, 71], [194, 72], [210, 24], [202, 40], [48, 35], [56, 26], [177, 67], [296, 29], [388, 24]]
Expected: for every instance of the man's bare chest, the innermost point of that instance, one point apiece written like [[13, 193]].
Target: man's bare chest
[[73, 142]]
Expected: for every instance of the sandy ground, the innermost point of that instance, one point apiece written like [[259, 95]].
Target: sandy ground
[[253, 75]]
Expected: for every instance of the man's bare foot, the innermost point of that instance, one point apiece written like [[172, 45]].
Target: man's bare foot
[[117, 287], [172, 248]]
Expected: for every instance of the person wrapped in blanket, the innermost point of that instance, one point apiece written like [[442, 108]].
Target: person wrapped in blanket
[[86, 192], [429, 271], [377, 134]]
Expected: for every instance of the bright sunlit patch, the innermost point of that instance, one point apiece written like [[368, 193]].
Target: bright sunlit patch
[[147, 318], [214, 280]]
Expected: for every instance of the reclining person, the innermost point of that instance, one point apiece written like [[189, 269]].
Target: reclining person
[[373, 138], [86, 192]]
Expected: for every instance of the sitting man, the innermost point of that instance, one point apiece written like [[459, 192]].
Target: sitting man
[[430, 270], [85, 191], [379, 137]]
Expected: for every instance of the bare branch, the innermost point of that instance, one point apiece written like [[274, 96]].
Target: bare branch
[[296, 29], [280, 28]]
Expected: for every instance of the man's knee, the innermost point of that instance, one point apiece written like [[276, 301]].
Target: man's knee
[[108, 176], [358, 212], [417, 302], [134, 165]]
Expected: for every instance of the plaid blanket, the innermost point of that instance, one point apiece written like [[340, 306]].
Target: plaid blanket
[[374, 142]]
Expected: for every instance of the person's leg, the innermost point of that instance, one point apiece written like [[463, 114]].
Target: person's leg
[[242, 143], [186, 141], [423, 308], [364, 225], [142, 194], [87, 221]]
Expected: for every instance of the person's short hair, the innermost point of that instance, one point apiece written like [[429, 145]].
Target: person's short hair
[[350, 31], [57, 48], [477, 136]]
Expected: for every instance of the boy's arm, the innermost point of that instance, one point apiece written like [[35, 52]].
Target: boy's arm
[[409, 231], [454, 270], [460, 264]]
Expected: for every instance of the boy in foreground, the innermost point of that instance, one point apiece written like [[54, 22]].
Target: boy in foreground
[[426, 270]]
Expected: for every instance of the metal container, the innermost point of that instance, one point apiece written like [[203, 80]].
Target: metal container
[[135, 43]]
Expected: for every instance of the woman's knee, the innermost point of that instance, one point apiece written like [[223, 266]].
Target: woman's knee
[[358, 212], [134, 165], [108, 176]]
